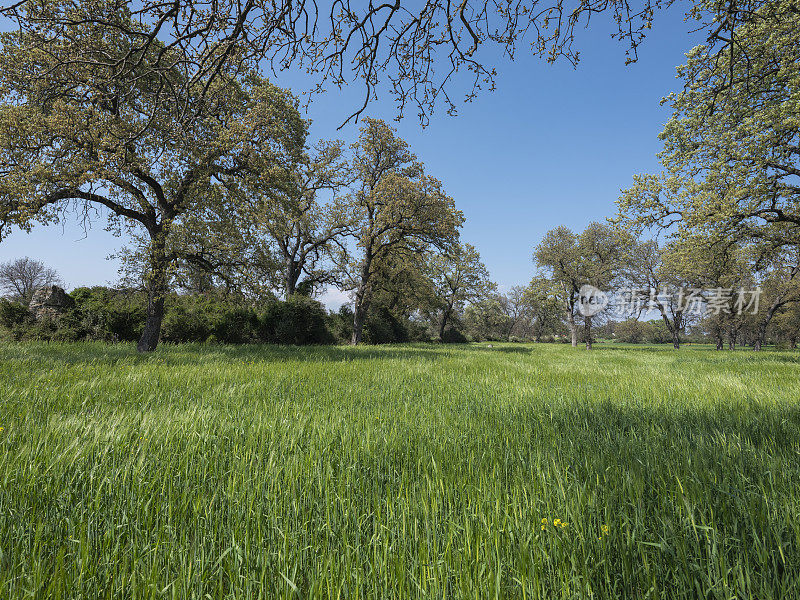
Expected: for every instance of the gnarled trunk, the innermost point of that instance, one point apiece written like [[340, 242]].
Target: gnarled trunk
[[733, 334], [156, 293], [362, 300], [291, 277], [358, 322], [720, 342]]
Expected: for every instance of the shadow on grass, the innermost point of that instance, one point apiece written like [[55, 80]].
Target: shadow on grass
[[82, 353], [186, 354]]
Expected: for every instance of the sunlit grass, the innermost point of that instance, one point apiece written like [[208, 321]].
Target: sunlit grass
[[389, 472]]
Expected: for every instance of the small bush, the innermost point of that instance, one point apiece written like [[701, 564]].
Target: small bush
[[13, 314], [115, 314], [341, 323], [383, 327], [208, 318], [297, 321], [453, 336]]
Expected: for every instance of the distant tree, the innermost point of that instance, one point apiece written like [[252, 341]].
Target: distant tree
[[592, 258], [659, 278], [515, 306], [544, 308], [779, 283], [84, 125], [558, 254], [785, 327], [724, 272], [458, 277], [20, 278], [602, 249], [398, 209], [486, 319]]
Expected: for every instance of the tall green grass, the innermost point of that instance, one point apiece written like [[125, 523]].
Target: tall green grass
[[398, 472]]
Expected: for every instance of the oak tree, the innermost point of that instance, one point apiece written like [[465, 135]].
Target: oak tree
[[398, 209], [84, 126]]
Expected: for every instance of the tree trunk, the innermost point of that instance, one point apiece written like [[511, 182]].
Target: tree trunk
[[720, 343], [762, 326], [358, 322], [674, 326], [443, 323], [587, 326], [761, 334], [156, 292], [291, 277], [362, 299], [573, 329]]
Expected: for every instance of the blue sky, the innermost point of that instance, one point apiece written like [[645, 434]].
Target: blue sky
[[552, 145]]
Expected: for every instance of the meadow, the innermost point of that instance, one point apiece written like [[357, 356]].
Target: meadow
[[517, 471]]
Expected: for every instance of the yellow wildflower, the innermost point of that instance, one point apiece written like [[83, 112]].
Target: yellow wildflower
[[557, 522]]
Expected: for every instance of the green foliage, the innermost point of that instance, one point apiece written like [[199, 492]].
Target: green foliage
[[633, 331], [13, 314], [486, 320], [453, 336], [119, 313], [167, 167], [730, 158], [384, 327], [299, 320], [399, 212], [341, 323]]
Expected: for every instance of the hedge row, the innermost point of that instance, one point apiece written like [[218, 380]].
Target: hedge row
[[102, 313]]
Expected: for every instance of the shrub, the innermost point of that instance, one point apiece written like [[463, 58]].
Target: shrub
[[183, 324], [341, 323], [208, 317], [453, 336], [630, 331], [383, 327], [299, 321], [13, 314], [116, 314]]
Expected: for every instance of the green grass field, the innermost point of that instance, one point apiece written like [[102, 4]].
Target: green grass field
[[398, 472]]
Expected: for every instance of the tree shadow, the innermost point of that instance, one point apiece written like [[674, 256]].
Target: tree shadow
[[99, 353]]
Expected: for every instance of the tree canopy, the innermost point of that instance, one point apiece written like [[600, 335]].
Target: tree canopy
[[69, 139], [422, 54]]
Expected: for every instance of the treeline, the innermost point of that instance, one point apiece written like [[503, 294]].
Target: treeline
[[118, 315], [226, 202], [608, 282]]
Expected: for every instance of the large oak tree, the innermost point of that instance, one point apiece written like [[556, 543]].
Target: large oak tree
[[84, 125]]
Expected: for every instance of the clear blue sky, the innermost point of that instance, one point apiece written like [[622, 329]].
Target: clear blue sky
[[552, 145]]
